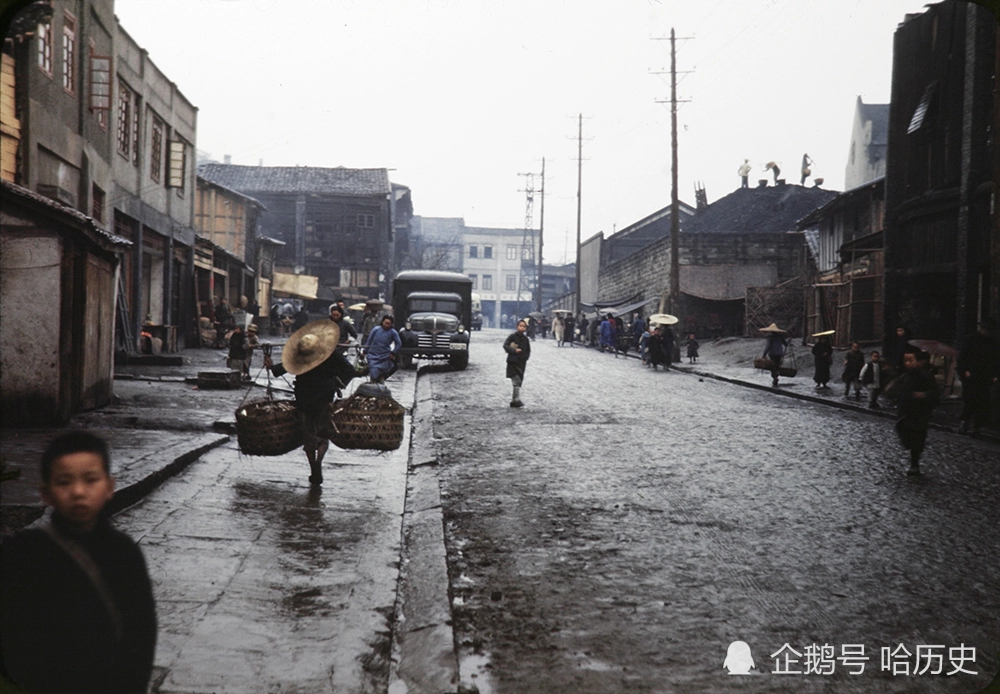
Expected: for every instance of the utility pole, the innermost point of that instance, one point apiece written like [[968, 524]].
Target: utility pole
[[579, 188], [541, 232], [675, 222]]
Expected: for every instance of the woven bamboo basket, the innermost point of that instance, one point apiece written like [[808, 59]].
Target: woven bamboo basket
[[367, 422], [268, 427], [765, 364]]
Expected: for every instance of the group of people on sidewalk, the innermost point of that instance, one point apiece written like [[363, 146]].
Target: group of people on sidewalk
[[907, 377]]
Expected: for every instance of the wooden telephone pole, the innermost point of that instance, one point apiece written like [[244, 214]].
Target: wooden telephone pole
[[675, 222], [673, 305], [579, 188]]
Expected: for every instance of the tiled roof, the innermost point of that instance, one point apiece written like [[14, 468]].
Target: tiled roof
[[12, 191], [758, 210], [298, 179]]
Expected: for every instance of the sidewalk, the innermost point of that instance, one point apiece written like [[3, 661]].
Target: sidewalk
[[158, 423], [730, 359]]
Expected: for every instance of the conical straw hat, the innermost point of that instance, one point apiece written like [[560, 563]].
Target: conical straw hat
[[772, 328], [310, 346]]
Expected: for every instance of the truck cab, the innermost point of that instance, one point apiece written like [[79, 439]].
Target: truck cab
[[434, 310]]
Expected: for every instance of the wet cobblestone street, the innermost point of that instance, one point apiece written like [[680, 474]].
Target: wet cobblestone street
[[624, 527]]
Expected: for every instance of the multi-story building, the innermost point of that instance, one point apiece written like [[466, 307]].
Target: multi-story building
[[228, 260], [498, 261], [338, 224], [942, 220], [56, 357], [502, 269], [152, 128]]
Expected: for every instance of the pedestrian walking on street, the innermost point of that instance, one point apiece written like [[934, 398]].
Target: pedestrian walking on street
[[774, 348], [569, 331], [823, 358], [670, 346], [77, 614], [368, 323], [644, 341], [518, 349], [608, 334], [692, 348], [253, 341], [917, 394], [239, 349], [871, 378], [584, 325], [314, 356], [979, 369], [383, 350], [658, 353], [637, 328], [854, 361], [558, 330]]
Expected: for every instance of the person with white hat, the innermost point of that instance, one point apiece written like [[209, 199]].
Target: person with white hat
[[320, 374]]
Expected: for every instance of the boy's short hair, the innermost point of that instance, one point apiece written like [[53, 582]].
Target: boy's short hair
[[876, 352], [74, 442]]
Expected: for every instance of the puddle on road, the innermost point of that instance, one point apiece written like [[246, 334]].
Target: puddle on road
[[585, 662], [473, 672]]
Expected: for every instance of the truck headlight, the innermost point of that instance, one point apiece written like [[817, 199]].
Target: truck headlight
[[461, 328], [409, 326]]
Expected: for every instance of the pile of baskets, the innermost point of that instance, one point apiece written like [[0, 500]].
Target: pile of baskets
[[369, 419]]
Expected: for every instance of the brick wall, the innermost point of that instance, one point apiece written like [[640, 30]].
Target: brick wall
[[647, 272]]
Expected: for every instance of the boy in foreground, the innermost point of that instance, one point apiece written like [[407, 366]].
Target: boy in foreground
[[76, 610]]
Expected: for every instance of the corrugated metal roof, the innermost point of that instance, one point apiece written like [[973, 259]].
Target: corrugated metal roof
[[298, 179]]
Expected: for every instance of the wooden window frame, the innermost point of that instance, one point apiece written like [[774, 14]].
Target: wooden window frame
[[45, 48], [176, 158], [69, 53], [99, 97], [99, 200], [124, 135], [157, 130]]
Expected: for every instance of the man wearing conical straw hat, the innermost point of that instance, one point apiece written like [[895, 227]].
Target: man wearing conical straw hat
[[320, 372], [774, 348]]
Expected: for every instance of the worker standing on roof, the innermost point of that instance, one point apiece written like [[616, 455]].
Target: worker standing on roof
[[806, 171], [744, 172]]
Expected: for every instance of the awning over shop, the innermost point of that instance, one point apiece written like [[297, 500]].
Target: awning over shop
[[302, 286], [625, 310]]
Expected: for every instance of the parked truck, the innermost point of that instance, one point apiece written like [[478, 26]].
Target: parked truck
[[435, 311]]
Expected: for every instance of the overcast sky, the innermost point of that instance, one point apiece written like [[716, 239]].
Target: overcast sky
[[458, 97]]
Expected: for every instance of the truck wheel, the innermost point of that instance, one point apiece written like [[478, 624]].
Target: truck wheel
[[459, 361], [406, 361]]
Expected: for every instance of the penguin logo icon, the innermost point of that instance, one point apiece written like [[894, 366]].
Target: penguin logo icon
[[738, 658]]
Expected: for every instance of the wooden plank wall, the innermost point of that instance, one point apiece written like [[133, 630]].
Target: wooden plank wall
[[10, 126]]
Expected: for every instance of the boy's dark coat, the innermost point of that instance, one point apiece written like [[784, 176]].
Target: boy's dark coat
[[56, 633]]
